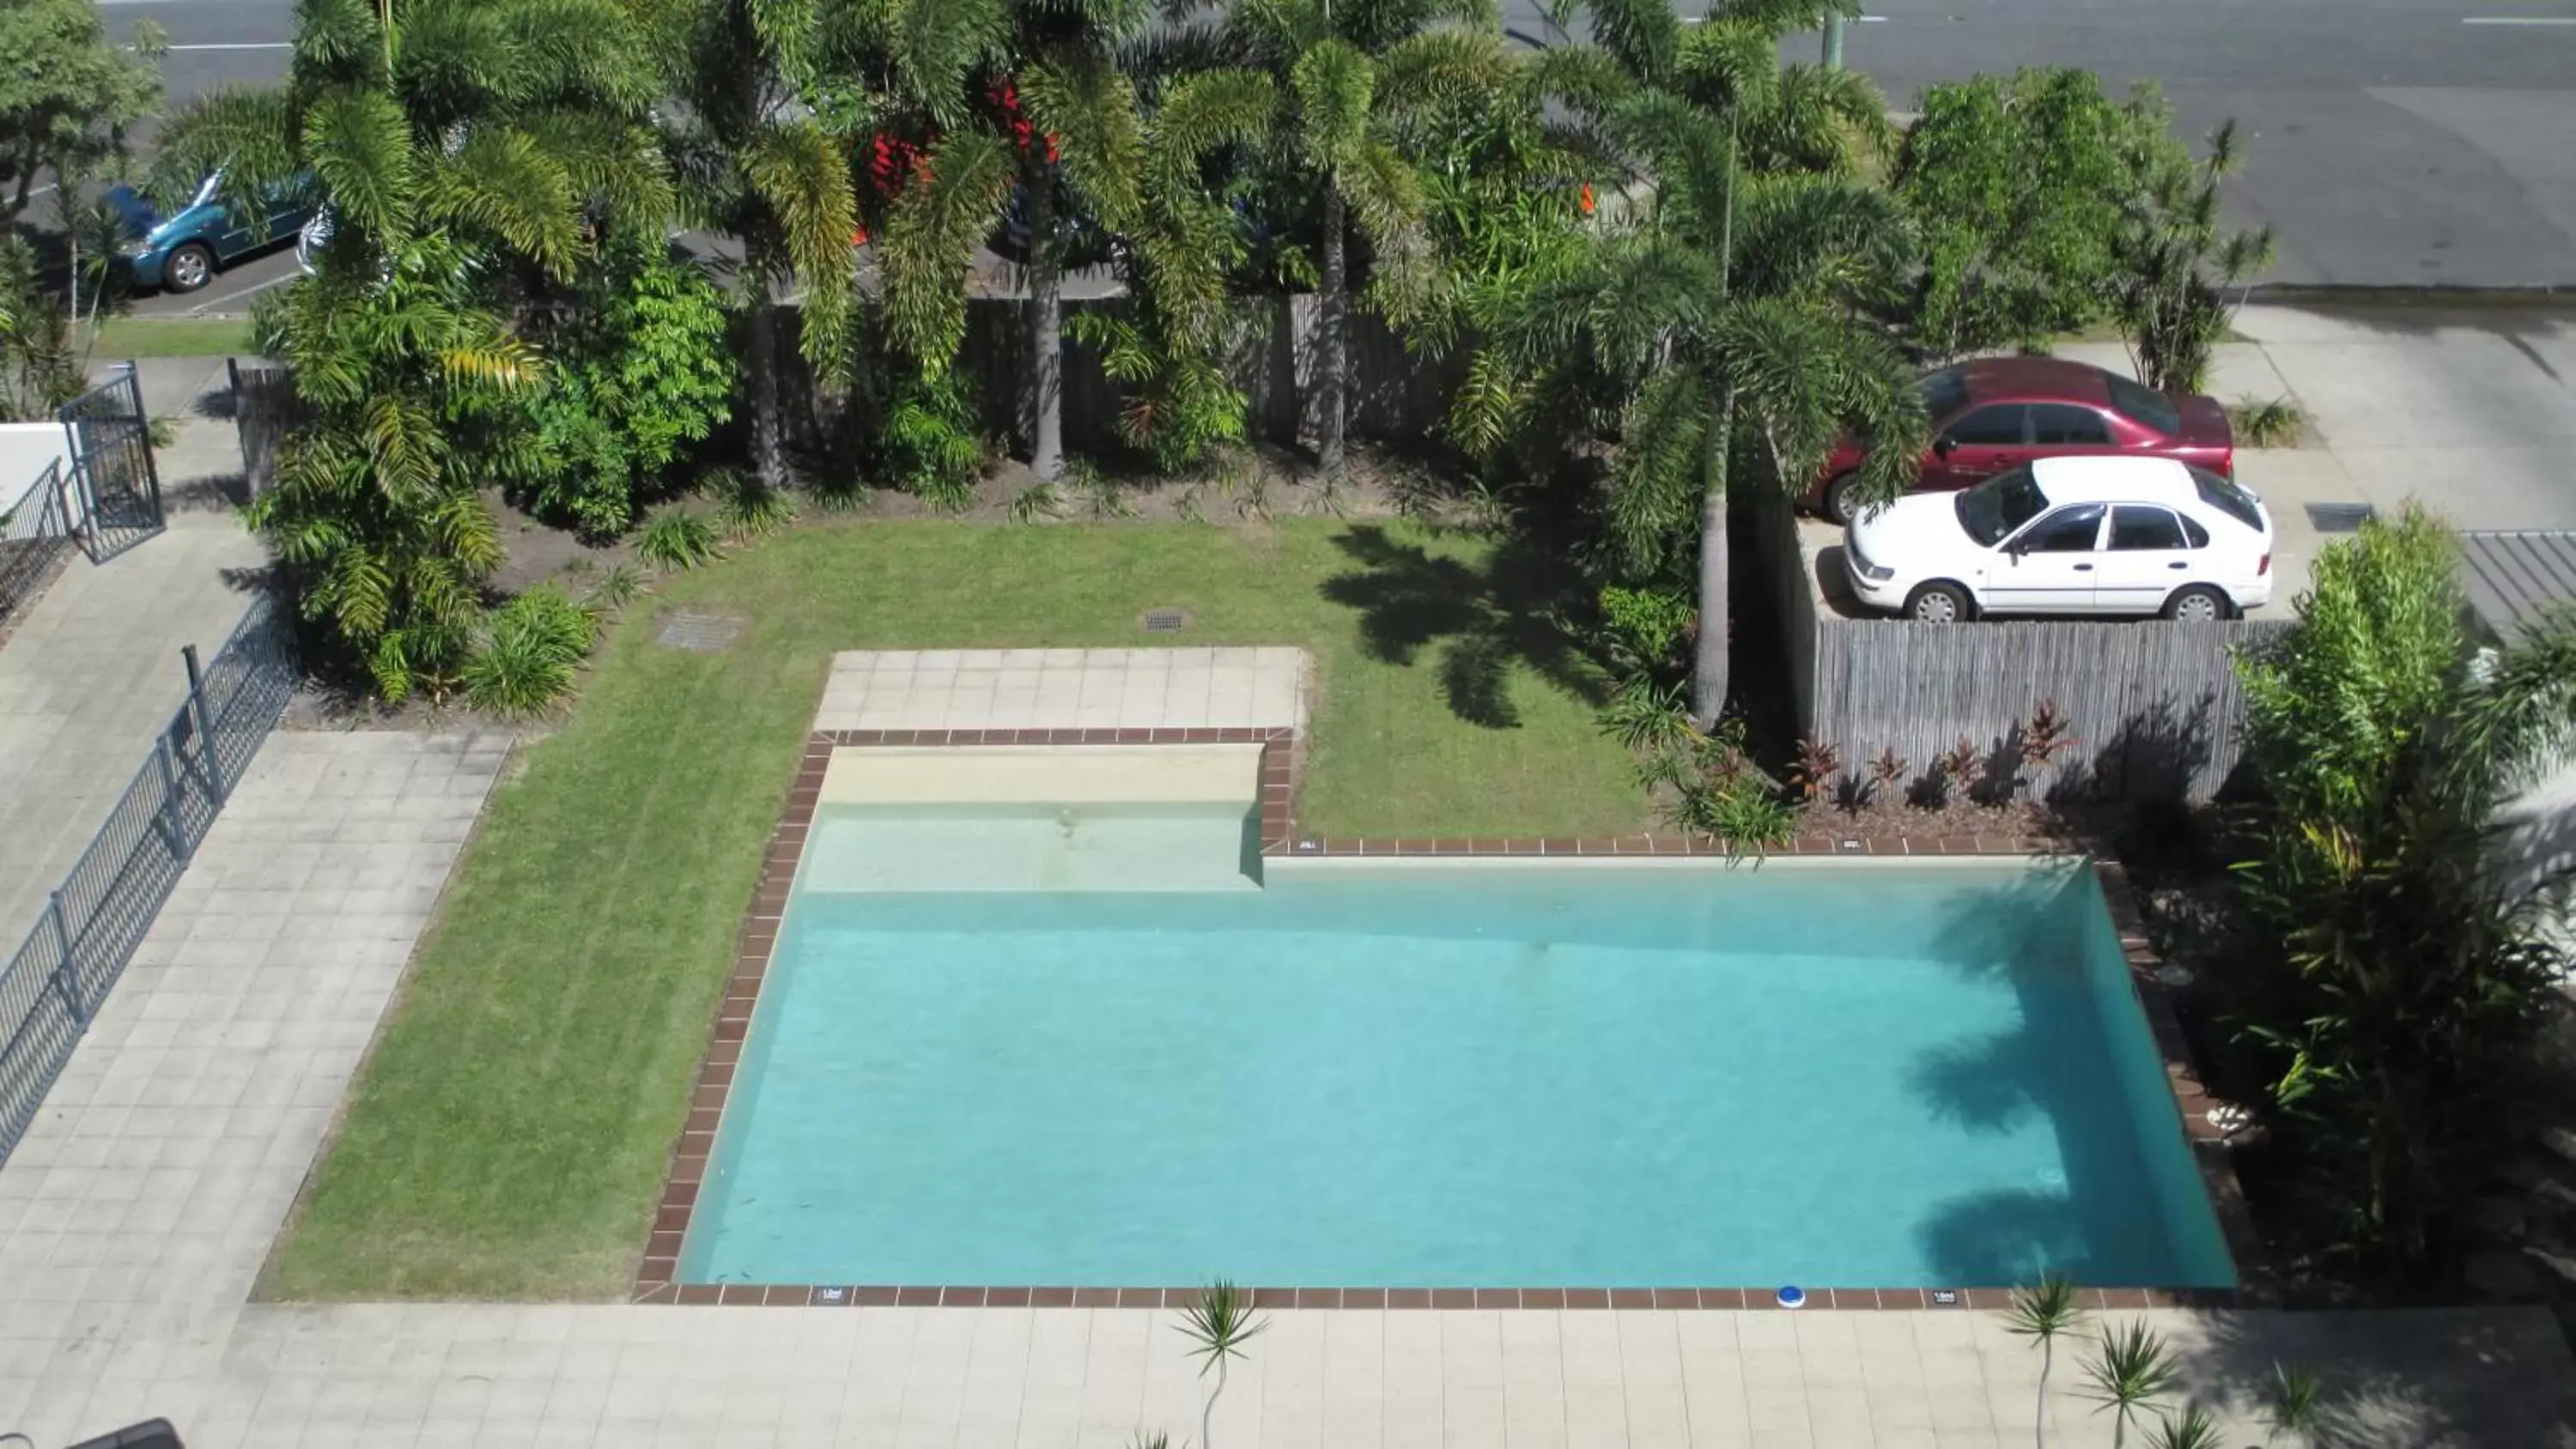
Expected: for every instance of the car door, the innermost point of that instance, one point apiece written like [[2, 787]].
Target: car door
[[2059, 430], [2048, 567], [2146, 558], [1978, 444]]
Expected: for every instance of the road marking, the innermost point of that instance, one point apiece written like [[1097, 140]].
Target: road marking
[[239, 45], [200, 308], [2518, 20]]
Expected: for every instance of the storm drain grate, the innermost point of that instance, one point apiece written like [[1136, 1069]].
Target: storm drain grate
[[698, 633], [1165, 621], [2339, 517]]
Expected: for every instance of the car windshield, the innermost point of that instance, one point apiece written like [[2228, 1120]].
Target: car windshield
[[1944, 393], [2144, 405], [1999, 505], [2227, 498]]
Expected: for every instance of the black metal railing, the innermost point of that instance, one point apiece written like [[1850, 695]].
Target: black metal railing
[[34, 536], [61, 974]]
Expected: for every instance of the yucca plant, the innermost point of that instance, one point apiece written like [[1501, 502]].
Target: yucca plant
[[2294, 1403], [676, 541], [1218, 1324], [1040, 500], [2191, 1429], [2130, 1369], [2044, 1312], [749, 508]]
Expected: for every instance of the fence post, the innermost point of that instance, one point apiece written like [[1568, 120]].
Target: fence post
[[205, 725], [174, 827], [66, 973]]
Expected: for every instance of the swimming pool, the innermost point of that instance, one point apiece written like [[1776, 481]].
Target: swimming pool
[[1377, 1074]]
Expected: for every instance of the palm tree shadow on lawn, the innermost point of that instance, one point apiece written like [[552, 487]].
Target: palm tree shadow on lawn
[[1482, 616]]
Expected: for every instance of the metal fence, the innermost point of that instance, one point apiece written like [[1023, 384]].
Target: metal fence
[[111, 443], [34, 536], [55, 983]]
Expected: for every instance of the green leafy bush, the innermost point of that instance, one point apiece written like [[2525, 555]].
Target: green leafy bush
[[678, 541], [929, 441], [1643, 629], [530, 649], [641, 372]]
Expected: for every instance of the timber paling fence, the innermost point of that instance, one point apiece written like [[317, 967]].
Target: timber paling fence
[[63, 971], [2154, 708]]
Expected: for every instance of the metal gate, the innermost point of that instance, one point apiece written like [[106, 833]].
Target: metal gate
[[120, 490]]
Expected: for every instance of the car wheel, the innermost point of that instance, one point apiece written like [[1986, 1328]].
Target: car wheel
[[1837, 507], [2199, 604], [189, 267], [1940, 604]]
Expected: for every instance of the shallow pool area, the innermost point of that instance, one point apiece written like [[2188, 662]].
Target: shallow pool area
[[1357, 1073]]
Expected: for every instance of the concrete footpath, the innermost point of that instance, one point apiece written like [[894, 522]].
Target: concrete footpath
[[90, 672]]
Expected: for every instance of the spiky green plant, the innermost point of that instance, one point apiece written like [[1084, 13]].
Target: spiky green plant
[[2294, 1402], [2191, 1429], [750, 509], [531, 648], [1645, 715], [1040, 500], [2129, 1370], [1218, 1325], [675, 542], [614, 590], [2275, 424], [2044, 1312]]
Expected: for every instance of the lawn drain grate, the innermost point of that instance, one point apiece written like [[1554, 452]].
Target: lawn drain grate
[[2340, 517], [1165, 621], [698, 633]]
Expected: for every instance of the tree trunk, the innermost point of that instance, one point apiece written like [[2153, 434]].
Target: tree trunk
[[768, 431], [1046, 337], [1708, 670], [1708, 673], [1330, 362]]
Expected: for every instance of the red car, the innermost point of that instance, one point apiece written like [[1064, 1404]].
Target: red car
[[1997, 413]]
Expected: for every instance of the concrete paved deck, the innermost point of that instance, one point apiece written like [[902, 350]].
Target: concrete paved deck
[[134, 1218]]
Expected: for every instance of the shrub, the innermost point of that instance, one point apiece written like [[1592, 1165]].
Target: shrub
[[1643, 630], [530, 649], [749, 509], [677, 541], [2275, 424]]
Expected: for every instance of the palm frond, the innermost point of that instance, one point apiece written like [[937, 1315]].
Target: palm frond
[[358, 145], [505, 185], [1089, 106], [930, 241], [799, 173], [248, 133], [1334, 85]]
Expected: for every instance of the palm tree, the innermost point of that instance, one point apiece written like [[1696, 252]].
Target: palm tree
[[1345, 72], [2043, 1312], [1219, 1324], [460, 149], [1732, 323], [756, 165]]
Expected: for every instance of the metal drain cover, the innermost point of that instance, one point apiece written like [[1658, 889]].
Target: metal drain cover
[[2340, 517], [1165, 621], [698, 633]]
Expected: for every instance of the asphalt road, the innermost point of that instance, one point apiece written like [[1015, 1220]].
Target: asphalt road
[[2389, 142]]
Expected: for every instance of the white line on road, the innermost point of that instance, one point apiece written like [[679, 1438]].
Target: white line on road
[[200, 309], [2518, 20], [240, 45]]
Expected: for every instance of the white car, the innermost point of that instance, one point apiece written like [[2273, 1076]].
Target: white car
[[2084, 535]]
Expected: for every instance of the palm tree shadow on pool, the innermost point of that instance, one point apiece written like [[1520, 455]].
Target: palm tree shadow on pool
[[1482, 616], [2052, 1065]]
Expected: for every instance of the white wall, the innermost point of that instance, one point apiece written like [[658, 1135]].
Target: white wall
[[25, 449]]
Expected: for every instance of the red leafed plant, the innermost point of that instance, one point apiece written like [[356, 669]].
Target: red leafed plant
[[1006, 97]]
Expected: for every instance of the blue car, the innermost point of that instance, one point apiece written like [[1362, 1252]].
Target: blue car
[[182, 251]]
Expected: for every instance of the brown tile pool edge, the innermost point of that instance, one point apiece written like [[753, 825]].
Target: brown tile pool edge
[[656, 1276]]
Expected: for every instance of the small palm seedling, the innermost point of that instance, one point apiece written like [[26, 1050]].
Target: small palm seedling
[[676, 542], [2131, 1370], [1219, 1324], [1038, 501], [2043, 1312], [2191, 1429], [2296, 1403]]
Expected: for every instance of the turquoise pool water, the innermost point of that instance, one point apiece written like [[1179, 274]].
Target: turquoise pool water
[[1518, 1076]]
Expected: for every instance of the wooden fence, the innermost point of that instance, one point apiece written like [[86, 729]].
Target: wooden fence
[[2154, 707]]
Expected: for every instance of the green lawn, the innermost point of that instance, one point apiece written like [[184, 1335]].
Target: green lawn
[[123, 338], [509, 1134]]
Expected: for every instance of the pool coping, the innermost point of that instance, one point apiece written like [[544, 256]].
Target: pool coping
[[657, 1273]]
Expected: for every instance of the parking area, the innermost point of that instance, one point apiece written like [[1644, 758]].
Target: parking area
[[2469, 408]]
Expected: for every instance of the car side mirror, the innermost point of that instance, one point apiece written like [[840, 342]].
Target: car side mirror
[[1942, 445]]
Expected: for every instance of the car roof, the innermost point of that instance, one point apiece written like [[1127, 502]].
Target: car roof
[[2113, 480], [1989, 378]]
